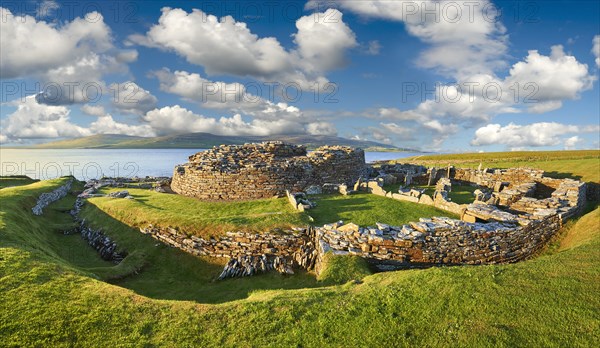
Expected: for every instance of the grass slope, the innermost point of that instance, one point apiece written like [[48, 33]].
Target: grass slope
[[581, 165], [46, 300]]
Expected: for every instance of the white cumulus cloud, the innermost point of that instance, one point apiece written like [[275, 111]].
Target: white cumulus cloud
[[226, 46], [535, 134], [596, 49], [129, 98]]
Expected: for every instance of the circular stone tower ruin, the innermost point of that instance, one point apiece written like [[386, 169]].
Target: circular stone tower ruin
[[265, 170]]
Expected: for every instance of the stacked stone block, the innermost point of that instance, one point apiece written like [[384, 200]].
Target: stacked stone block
[[265, 170]]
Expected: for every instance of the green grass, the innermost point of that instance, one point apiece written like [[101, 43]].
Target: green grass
[[580, 165], [366, 209], [47, 300], [339, 269], [461, 194], [197, 217], [15, 180]]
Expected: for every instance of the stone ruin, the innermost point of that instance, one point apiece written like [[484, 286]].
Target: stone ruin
[[514, 215], [265, 170]]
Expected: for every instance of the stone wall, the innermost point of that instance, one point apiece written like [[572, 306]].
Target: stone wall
[[516, 226], [294, 245], [254, 171], [49, 197], [439, 241]]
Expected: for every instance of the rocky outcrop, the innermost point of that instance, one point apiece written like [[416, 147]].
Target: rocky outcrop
[[49, 197], [265, 170]]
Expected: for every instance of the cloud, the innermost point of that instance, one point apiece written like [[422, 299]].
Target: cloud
[[537, 84], [465, 38], [194, 87], [93, 110], [48, 46], [32, 120], [175, 119], [571, 143], [596, 49], [224, 46], [69, 58], [225, 96], [437, 127], [46, 8], [129, 98], [555, 77], [401, 132], [535, 134], [322, 41], [373, 48], [321, 128], [107, 125]]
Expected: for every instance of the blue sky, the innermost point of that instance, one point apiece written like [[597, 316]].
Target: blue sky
[[378, 70]]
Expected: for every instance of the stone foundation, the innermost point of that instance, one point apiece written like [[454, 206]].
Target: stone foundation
[[266, 170], [515, 222]]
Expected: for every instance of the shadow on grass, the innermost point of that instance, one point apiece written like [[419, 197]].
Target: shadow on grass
[[158, 271], [562, 175]]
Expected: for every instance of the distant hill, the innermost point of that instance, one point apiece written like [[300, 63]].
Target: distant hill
[[207, 140]]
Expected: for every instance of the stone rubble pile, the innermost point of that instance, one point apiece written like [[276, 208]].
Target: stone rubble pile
[[265, 170], [107, 248], [248, 265], [49, 197], [300, 201]]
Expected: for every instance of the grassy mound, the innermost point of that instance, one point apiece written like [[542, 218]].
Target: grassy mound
[[582, 232], [201, 218], [366, 209], [339, 269]]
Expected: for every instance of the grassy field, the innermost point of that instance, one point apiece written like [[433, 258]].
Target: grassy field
[[15, 180], [366, 209], [48, 299], [197, 217], [55, 291], [580, 165]]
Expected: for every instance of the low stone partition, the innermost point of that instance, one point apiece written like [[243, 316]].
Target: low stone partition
[[297, 246], [49, 197], [265, 170], [438, 241]]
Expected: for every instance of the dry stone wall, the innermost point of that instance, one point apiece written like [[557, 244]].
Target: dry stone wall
[[526, 212], [49, 197], [296, 246], [265, 170]]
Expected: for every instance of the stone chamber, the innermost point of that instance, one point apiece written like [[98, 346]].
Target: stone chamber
[[265, 170]]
